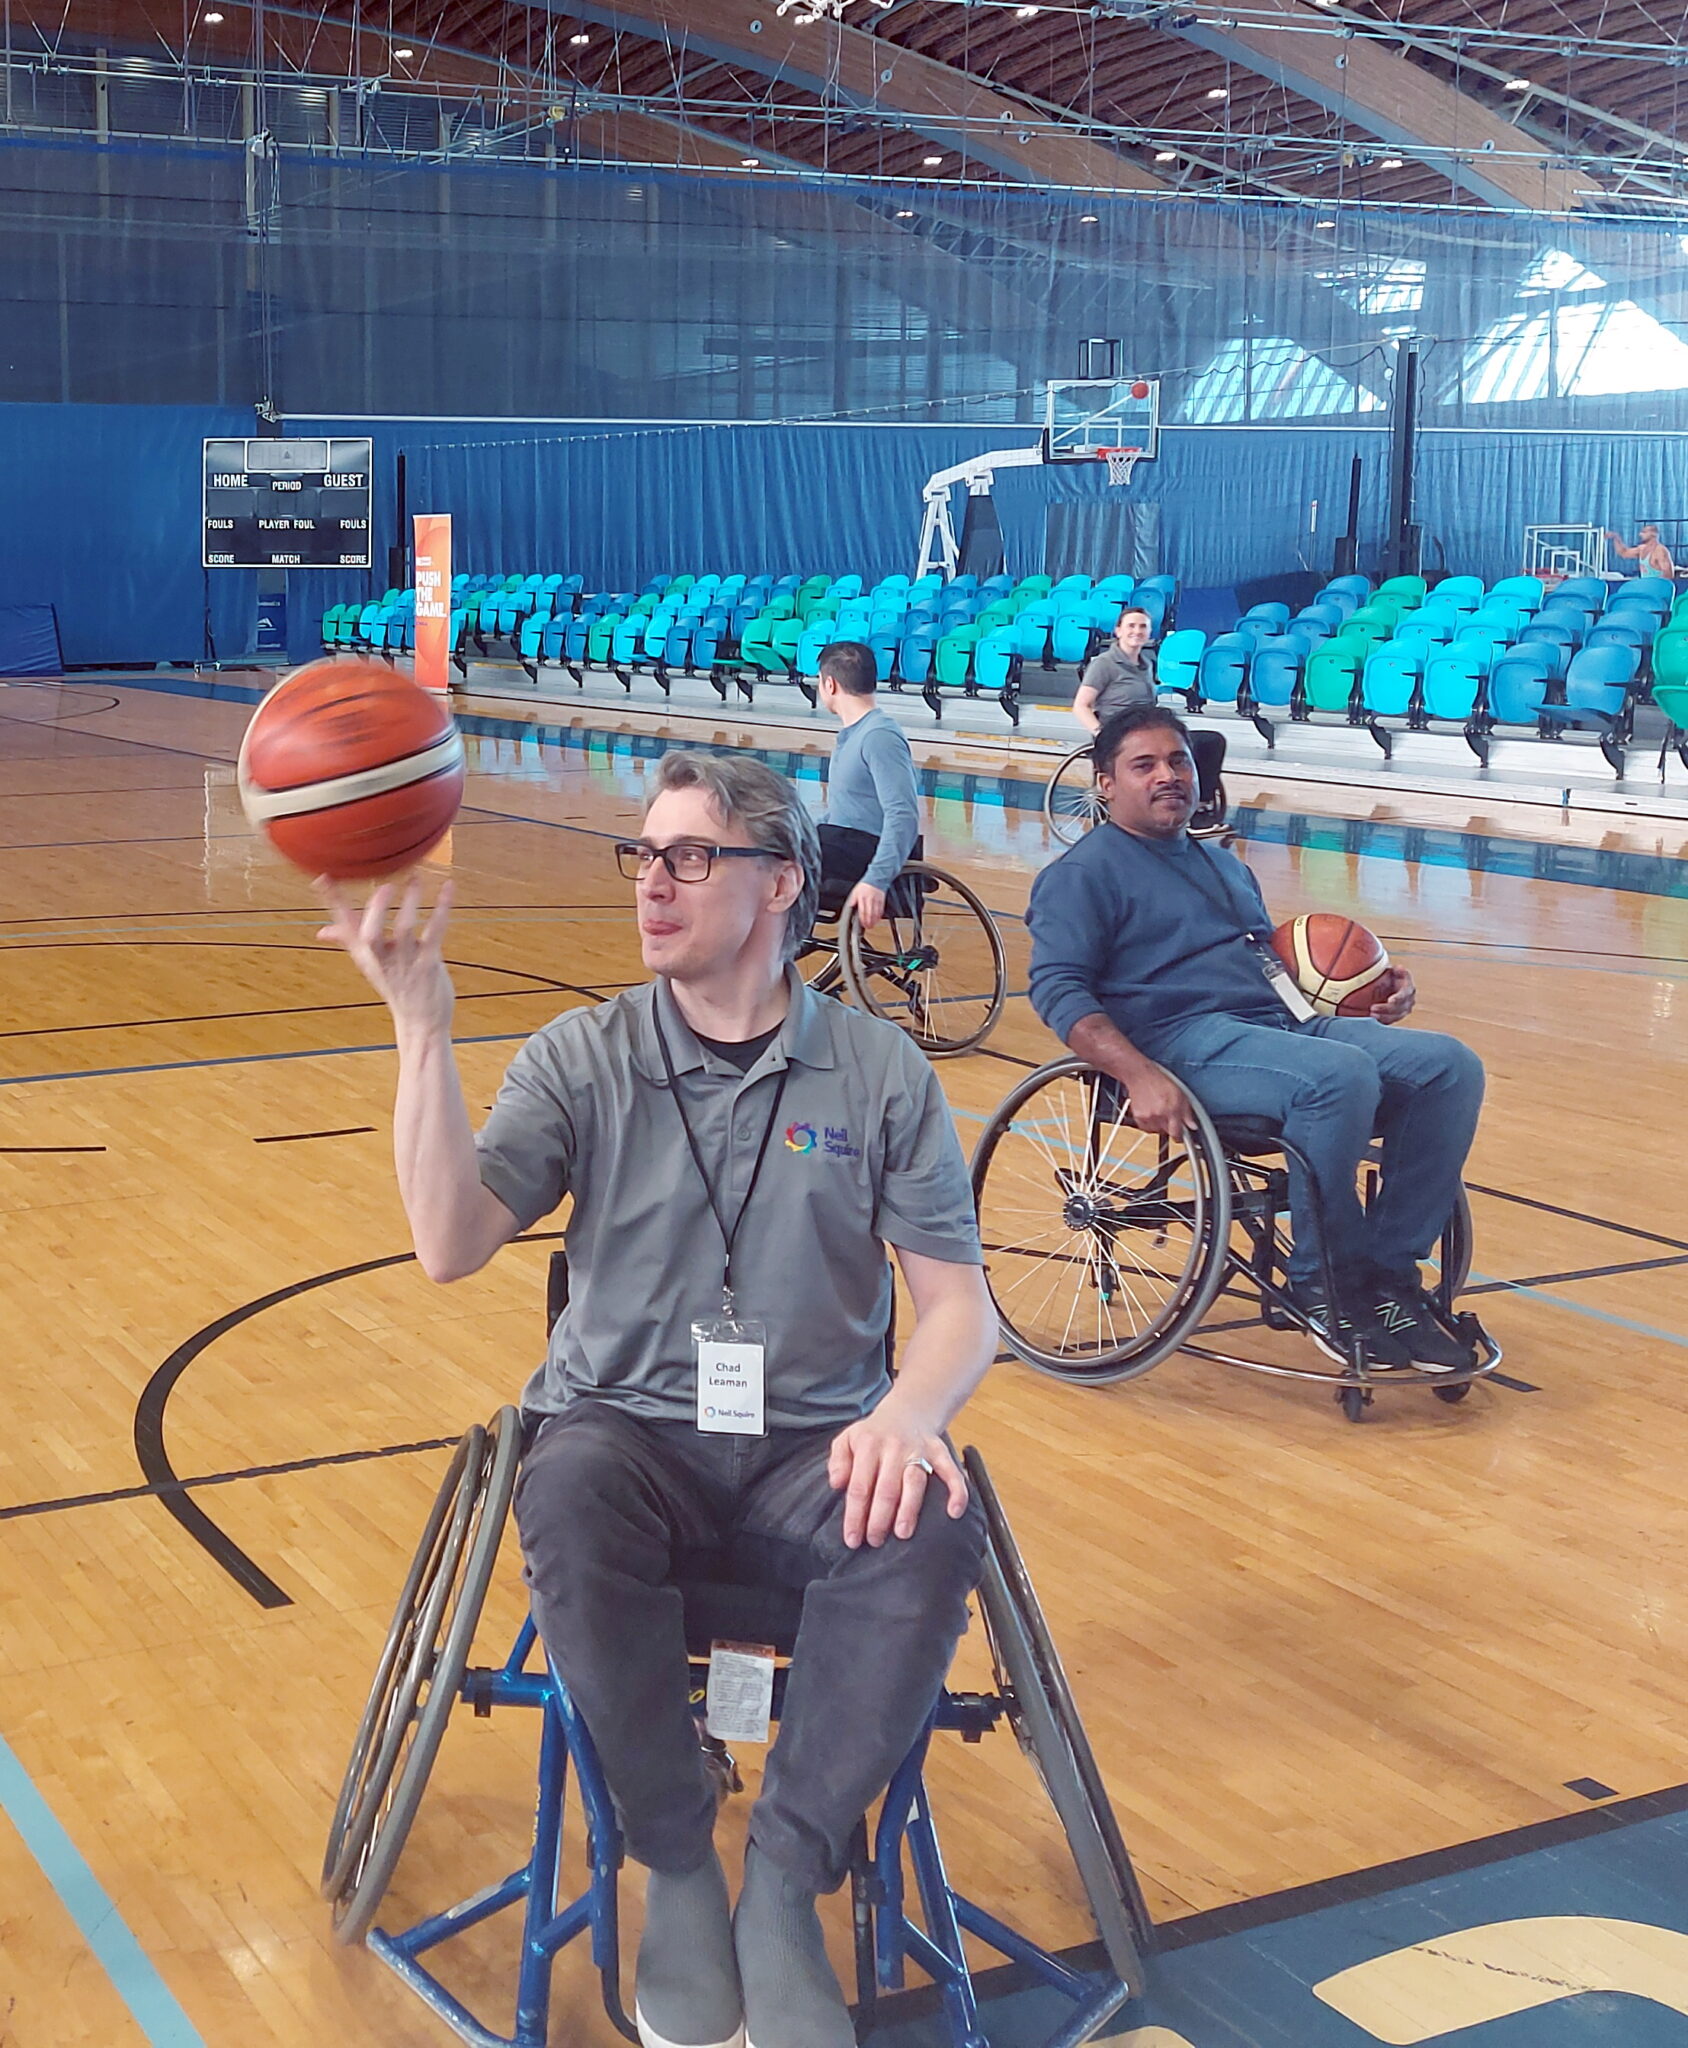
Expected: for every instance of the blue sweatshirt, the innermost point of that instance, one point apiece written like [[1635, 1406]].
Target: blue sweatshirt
[[1149, 932], [871, 787]]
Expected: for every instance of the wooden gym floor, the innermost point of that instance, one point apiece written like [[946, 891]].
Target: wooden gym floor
[[1301, 1647]]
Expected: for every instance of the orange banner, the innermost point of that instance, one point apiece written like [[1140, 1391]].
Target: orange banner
[[433, 599]]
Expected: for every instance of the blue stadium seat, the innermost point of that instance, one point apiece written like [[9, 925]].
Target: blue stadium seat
[[1328, 618], [1455, 678], [1274, 672], [1224, 667], [1599, 698], [1589, 591], [1552, 636], [1621, 632], [1357, 587], [996, 666], [1391, 678], [1575, 618], [1274, 614], [914, 656], [1518, 685], [1114, 590], [1178, 663], [1032, 630], [1525, 591], [1657, 591], [1465, 591]]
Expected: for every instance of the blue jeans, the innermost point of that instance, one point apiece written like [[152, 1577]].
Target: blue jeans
[[1333, 1084]]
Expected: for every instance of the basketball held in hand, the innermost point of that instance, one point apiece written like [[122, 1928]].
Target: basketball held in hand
[[351, 770], [1336, 963]]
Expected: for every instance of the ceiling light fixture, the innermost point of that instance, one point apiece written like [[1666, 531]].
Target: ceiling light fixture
[[905, 213], [1518, 85], [1324, 223], [1391, 163], [1027, 13], [578, 40], [401, 54], [1087, 220], [1218, 92], [1166, 156], [212, 19], [750, 163], [931, 162]]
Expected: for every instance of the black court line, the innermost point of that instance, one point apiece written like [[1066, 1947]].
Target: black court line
[[11, 1151], [166, 1483], [299, 1137], [120, 1493], [1578, 1216], [1582, 1273]]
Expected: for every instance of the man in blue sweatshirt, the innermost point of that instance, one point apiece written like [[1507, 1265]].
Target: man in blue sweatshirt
[[873, 794], [1151, 958]]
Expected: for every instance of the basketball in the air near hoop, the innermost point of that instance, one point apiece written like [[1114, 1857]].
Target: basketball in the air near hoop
[[351, 770], [1335, 961], [1139, 389]]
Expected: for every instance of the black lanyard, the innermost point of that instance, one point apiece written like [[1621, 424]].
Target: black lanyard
[[1219, 896], [728, 1237]]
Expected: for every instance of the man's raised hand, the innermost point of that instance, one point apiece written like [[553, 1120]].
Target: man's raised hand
[[396, 950]]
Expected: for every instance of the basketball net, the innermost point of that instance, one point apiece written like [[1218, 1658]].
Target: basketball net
[[1121, 462]]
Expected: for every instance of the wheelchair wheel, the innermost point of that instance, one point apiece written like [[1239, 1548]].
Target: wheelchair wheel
[[1071, 803], [420, 1672], [1104, 1245], [1045, 1719], [934, 964]]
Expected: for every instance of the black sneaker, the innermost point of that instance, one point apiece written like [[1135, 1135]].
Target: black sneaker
[[1409, 1316], [1383, 1349]]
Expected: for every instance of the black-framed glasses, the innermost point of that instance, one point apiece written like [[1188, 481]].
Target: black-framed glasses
[[688, 860]]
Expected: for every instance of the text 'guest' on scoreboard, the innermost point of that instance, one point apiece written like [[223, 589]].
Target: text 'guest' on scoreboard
[[300, 504]]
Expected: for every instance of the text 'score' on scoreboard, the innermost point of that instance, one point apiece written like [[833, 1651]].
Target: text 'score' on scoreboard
[[301, 504]]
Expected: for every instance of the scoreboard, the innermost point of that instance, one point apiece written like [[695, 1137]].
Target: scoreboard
[[301, 504]]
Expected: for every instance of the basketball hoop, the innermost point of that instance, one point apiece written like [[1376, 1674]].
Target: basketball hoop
[[1121, 462]]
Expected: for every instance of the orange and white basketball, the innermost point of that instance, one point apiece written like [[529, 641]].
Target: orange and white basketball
[[1335, 961]]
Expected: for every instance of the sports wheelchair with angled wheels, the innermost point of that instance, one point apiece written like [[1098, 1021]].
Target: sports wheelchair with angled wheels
[[1108, 1248], [934, 964], [1072, 803], [424, 1672]]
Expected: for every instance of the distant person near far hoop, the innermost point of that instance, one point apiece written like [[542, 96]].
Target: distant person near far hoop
[[872, 827], [1649, 551], [1123, 673]]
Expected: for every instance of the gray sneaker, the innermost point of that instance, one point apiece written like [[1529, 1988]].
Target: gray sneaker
[[686, 1987]]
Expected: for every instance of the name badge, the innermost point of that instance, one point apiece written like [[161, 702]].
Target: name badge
[[1283, 982], [731, 1367]]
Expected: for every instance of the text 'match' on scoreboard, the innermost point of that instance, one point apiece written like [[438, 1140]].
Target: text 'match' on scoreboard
[[287, 504]]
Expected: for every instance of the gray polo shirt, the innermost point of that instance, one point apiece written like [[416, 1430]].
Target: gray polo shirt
[[1119, 681], [863, 1155]]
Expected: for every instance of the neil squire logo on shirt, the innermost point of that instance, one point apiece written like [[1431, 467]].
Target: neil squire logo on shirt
[[834, 1140]]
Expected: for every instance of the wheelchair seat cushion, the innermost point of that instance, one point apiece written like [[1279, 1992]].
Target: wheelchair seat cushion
[[752, 1593], [1249, 1134]]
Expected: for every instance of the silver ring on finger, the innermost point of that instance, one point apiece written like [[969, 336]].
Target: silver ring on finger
[[918, 1465]]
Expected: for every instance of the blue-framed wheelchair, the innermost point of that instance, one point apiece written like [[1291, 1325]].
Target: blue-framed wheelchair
[[1108, 1247], [904, 1909]]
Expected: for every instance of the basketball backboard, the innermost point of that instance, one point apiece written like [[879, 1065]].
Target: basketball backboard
[[1086, 416]]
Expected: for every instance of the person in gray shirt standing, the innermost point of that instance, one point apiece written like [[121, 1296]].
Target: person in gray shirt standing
[[739, 1152], [1123, 673], [873, 793]]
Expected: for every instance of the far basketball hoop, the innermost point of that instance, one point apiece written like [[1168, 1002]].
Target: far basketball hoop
[[1092, 419]]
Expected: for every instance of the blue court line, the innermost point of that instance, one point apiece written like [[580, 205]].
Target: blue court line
[[1583, 1308], [133, 1976]]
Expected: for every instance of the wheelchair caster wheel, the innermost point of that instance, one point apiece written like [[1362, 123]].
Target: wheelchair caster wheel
[[1452, 1394], [1355, 1401]]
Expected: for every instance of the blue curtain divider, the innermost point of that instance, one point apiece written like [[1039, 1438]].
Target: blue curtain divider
[[100, 518]]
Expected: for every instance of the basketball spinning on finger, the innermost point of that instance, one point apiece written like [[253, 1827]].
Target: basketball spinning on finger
[[351, 770], [1336, 962]]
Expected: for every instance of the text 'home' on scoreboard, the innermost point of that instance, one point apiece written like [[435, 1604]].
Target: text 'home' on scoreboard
[[302, 504]]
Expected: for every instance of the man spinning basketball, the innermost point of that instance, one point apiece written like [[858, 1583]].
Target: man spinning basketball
[[1151, 958], [739, 1153]]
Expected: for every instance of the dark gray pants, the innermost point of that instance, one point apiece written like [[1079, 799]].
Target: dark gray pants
[[607, 1503]]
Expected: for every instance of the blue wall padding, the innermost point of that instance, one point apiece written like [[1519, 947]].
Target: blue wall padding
[[99, 518]]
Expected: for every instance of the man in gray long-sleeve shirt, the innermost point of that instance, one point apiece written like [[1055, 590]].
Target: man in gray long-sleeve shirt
[[1151, 954], [872, 823]]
